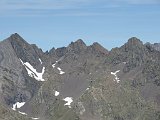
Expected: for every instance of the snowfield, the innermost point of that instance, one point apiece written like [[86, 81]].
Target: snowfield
[[17, 105], [33, 72], [69, 100], [56, 93], [116, 77]]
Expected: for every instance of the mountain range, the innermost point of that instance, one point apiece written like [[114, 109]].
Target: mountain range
[[79, 82]]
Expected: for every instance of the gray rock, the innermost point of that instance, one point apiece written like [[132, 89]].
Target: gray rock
[[83, 73]]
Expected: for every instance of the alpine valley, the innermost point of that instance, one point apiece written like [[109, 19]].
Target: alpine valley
[[79, 82]]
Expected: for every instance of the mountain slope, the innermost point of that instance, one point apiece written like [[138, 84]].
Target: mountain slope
[[80, 82], [127, 90]]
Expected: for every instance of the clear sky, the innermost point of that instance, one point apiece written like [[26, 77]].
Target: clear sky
[[55, 23]]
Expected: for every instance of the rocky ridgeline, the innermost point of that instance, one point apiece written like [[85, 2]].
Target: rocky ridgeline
[[79, 82]]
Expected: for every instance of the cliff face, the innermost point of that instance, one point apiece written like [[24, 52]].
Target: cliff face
[[79, 82]]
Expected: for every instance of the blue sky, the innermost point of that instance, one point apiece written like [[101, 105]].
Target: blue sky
[[55, 23]]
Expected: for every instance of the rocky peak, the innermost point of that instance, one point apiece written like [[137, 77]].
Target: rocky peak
[[59, 52], [16, 38], [77, 46], [133, 44], [133, 52], [79, 42], [25, 51], [86, 75], [52, 51], [15, 35], [98, 48], [135, 41]]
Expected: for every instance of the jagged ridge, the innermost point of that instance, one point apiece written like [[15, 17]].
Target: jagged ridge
[[120, 84]]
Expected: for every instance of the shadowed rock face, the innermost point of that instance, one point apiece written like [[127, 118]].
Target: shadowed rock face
[[121, 84]]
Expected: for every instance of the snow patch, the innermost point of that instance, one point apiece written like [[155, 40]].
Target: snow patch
[[33, 72], [22, 113], [35, 118], [60, 70], [114, 73], [54, 65], [56, 93], [116, 77], [40, 60], [87, 89], [17, 105], [69, 100], [21, 61]]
